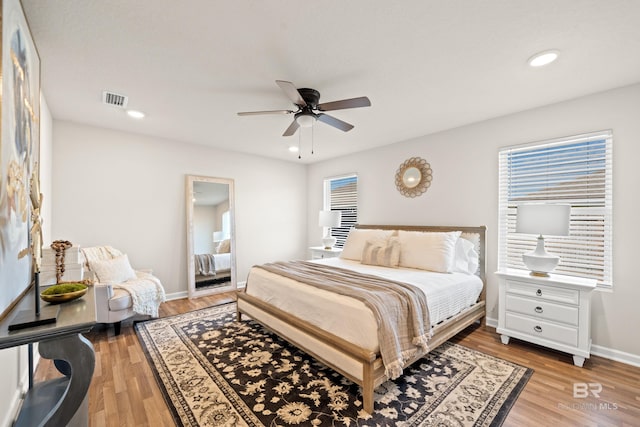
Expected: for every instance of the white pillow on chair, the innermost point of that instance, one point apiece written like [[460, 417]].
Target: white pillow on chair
[[115, 270]]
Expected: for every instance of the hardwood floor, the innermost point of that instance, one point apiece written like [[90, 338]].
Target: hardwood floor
[[124, 391]]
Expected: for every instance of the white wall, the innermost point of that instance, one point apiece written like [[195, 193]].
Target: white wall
[[464, 191], [14, 361], [204, 224], [128, 191]]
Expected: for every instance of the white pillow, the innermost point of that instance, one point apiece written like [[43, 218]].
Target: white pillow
[[433, 251], [356, 240], [466, 258], [385, 253], [115, 270]]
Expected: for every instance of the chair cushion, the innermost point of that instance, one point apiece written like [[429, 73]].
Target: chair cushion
[[121, 300]]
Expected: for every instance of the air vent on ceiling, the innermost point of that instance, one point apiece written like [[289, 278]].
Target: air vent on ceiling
[[114, 99]]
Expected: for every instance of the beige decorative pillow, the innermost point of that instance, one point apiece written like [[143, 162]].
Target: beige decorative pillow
[[382, 253], [224, 247], [115, 270], [433, 251], [356, 240]]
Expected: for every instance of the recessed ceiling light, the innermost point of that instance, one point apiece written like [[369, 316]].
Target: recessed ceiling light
[[135, 114], [293, 149], [543, 58]]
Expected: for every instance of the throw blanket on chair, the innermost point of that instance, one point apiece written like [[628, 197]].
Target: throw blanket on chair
[[400, 309], [146, 290], [146, 293]]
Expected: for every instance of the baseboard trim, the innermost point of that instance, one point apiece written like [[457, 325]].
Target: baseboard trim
[[490, 321], [617, 355], [596, 350], [177, 295]]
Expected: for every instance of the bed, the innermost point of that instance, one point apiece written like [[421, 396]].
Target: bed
[[313, 318], [211, 269]]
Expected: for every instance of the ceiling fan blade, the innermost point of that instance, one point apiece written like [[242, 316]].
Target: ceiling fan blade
[[362, 101], [293, 127], [257, 113], [291, 91], [336, 123]]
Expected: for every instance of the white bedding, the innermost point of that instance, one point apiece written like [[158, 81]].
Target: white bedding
[[210, 264], [447, 294]]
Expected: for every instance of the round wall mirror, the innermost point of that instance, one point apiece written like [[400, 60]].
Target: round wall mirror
[[413, 177]]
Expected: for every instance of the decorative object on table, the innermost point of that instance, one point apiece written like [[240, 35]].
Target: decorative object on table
[[261, 379], [547, 219], [19, 152], [329, 219], [62, 261], [63, 292], [414, 177], [60, 246]]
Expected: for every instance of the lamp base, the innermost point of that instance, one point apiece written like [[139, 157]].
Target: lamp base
[[329, 242], [539, 261]]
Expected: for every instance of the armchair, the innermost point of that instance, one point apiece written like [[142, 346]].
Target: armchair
[[120, 291]]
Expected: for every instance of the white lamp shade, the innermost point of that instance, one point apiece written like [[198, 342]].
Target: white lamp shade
[[330, 218], [543, 219], [218, 236]]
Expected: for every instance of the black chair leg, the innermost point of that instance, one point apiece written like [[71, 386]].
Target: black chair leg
[[116, 327]]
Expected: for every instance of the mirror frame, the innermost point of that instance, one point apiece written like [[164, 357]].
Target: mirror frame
[[191, 278], [426, 176]]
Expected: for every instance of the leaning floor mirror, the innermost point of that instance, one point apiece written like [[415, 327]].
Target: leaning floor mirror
[[211, 260]]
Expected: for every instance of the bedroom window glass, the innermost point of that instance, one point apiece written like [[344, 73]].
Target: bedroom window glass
[[576, 171], [341, 194]]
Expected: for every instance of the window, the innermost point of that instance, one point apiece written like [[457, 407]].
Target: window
[[575, 171], [341, 194], [226, 224]]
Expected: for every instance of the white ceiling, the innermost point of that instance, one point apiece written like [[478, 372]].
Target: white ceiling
[[426, 65]]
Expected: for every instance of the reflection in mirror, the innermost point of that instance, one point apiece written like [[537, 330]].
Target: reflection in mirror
[[411, 177], [211, 257]]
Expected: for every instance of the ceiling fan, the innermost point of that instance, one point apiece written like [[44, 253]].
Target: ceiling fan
[[306, 100]]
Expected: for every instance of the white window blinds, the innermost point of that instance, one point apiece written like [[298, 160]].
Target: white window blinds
[[575, 171], [341, 194]]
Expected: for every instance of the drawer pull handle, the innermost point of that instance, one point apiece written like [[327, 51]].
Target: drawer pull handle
[[539, 292], [537, 329], [538, 309]]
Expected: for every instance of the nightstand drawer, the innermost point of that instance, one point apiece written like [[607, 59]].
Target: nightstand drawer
[[541, 329], [550, 293], [543, 309]]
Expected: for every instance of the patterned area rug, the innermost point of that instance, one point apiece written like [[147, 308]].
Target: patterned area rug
[[215, 371]]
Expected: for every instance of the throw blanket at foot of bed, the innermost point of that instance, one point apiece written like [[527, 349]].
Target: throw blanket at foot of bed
[[400, 309]]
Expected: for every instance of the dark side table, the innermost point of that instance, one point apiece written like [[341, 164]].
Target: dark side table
[[60, 401]]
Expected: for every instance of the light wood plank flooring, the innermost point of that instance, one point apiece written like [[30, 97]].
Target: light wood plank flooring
[[124, 392]]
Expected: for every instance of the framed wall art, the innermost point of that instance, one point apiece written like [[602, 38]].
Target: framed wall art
[[19, 152]]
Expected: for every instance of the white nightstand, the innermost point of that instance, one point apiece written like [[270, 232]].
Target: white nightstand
[[552, 311], [319, 252]]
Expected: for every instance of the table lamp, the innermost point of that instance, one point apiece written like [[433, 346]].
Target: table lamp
[[329, 219], [542, 219]]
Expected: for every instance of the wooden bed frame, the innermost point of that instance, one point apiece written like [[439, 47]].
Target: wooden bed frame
[[315, 341]]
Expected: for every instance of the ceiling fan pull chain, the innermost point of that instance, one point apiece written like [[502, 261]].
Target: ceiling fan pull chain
[[312, 126], [299, 137]]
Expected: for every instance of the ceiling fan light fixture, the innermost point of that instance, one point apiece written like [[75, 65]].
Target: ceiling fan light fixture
[[293, 149], [305, 120], [543, 58]]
